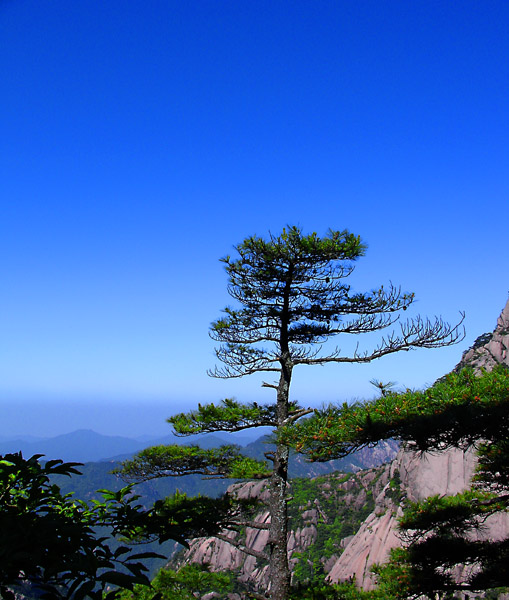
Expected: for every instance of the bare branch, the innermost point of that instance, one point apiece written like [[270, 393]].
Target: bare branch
[[297, 415], [233, 373], [241, 547], [269, 385], [416, 333]]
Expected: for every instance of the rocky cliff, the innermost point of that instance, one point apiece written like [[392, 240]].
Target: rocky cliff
[[418, 476], [422, 475], [324, 513], [489, 349]]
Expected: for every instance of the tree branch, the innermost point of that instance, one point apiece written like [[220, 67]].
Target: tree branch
[[231, 373], [297, 415], [414, 334], [269, 385], [241, 547]]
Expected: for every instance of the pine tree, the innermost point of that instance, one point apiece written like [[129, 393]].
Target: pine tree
[[291, 297]]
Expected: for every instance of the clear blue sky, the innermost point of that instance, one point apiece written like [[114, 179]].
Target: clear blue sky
[[141, 139]]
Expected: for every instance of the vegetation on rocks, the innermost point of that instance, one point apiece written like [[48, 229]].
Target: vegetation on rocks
[[339, 504]]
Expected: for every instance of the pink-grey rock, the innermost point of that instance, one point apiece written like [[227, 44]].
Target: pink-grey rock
[[490, 350], [421, 475]]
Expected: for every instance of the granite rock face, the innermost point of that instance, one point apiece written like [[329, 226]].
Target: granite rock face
[[423, 475], [221, 555], [419, 476], [346, 493], [490, 349]]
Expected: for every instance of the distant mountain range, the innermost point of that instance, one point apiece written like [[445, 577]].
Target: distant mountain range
[[80, 446], [299, 466], [86, 445]]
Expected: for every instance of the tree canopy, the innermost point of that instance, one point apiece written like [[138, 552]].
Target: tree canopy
[[294, 297]]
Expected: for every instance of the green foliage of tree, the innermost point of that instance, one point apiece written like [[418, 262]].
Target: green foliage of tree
[[457, 412], [174, 460], [463, 410], [291, 297], [66, 548], [48, 541], [228, 415]]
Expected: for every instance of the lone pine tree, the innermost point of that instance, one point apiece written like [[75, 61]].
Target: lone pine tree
[[292, 297]]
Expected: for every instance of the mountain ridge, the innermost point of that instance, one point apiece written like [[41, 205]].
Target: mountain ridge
[[86, 445]]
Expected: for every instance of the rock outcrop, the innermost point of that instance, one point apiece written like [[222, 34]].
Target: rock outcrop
[[315, 504], [222, 555], [418, 476], [423, 475], [489, 349]]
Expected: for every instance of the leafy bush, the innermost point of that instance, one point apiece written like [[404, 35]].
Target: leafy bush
[[48, 541]]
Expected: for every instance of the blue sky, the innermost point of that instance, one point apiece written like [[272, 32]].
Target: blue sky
[[141, 140]]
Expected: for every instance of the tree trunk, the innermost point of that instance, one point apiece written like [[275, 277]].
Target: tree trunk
[[278, 533]]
